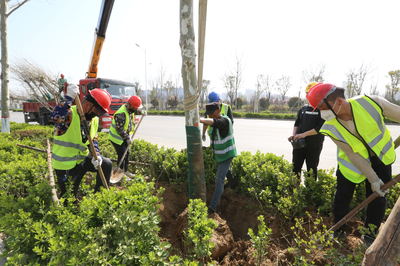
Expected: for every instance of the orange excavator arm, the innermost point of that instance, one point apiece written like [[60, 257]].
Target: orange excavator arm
[[105, 13]]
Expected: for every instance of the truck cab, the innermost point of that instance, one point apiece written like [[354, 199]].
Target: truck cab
[[120, 92]]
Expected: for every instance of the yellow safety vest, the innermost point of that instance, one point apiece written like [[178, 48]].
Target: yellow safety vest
[[114, 136], [370, 125], [224, 112], [68, 149]]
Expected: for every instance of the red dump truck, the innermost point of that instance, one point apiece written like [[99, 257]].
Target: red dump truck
[[38, 112]]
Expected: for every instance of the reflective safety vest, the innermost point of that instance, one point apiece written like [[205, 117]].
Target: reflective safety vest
[[223, 148], [369, 123], [224, 112], [114, 136], [68, 149]]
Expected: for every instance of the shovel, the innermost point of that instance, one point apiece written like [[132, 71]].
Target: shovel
[[118, 173]]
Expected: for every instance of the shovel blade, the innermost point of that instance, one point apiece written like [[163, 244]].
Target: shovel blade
[[117, 175]]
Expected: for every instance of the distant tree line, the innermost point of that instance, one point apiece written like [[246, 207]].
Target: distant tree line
[[167, 94]]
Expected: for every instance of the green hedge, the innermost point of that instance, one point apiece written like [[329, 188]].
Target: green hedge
[[121, 226], [115, 227]]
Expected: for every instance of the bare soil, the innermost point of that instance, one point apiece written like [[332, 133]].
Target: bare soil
[[236, 213]]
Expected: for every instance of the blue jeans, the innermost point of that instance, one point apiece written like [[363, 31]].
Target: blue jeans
[[222, 169]]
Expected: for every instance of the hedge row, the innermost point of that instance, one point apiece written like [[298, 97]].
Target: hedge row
[[121, 226]]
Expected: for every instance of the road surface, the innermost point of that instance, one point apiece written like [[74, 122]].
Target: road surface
[[267, 136]]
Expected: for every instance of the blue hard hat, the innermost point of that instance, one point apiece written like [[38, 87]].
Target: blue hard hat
[[213, 97]]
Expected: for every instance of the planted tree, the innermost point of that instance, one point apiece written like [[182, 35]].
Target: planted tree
[[196, 182], [355, 81], [314, 75], [393, 88], [232, 82], [263, 86], [282, 86]]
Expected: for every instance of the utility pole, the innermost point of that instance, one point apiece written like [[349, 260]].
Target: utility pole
[[5, 94], [196, 182]]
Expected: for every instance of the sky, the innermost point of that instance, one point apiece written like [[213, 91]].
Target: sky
[[274, 38]]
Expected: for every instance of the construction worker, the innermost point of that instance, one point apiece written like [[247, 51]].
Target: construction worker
[[223, 145], [70, 154], [307, 142], [62, 83], [365, 147], [122, 127], [226, 109]]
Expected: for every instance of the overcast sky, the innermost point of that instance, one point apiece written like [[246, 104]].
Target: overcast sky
[[275, 38]]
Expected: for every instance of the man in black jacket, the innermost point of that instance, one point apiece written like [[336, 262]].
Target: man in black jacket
[[306, 127]]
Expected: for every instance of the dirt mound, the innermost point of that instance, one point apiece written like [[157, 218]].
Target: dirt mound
[[237, 214]]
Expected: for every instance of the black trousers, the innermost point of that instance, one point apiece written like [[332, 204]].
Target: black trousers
[[310, 154], [120, 149], [345, 189], [76, 174]]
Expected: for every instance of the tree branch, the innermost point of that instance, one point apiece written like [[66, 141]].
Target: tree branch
[[12, 9]]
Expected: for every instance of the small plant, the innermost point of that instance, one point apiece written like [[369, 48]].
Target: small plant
[[260, 240], [199, 232], [311, 240]]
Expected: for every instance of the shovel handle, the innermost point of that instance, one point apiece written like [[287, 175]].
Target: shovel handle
[[91, 145], [131, 138], [371, 197], [361, 206]]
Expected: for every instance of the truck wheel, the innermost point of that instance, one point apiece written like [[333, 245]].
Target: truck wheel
[[26, 118], [41, 120], [44, 117]]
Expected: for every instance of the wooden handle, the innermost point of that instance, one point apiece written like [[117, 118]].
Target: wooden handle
[[91, 145], [361, 206]]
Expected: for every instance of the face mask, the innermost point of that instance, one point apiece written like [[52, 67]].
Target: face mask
[[327, 115]]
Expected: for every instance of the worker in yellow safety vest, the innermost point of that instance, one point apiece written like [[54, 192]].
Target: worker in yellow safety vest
[[70, 153], [122, 127], [365, 147]]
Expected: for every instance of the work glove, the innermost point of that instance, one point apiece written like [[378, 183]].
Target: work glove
[[376, 187], [72, 91], [128, 141], [98, 162], [203, 137], [141, 111]]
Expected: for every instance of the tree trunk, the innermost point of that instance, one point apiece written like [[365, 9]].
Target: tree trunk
[[5, 94], [386, 248], [196, 182]]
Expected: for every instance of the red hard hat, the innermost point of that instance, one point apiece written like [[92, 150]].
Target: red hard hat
[[102, 97], [319, 92], [135, 102]]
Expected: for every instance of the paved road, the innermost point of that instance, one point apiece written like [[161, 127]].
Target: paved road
[[250, 135]]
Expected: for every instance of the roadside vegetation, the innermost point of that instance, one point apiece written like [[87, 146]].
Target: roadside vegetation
[[268, 219]]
